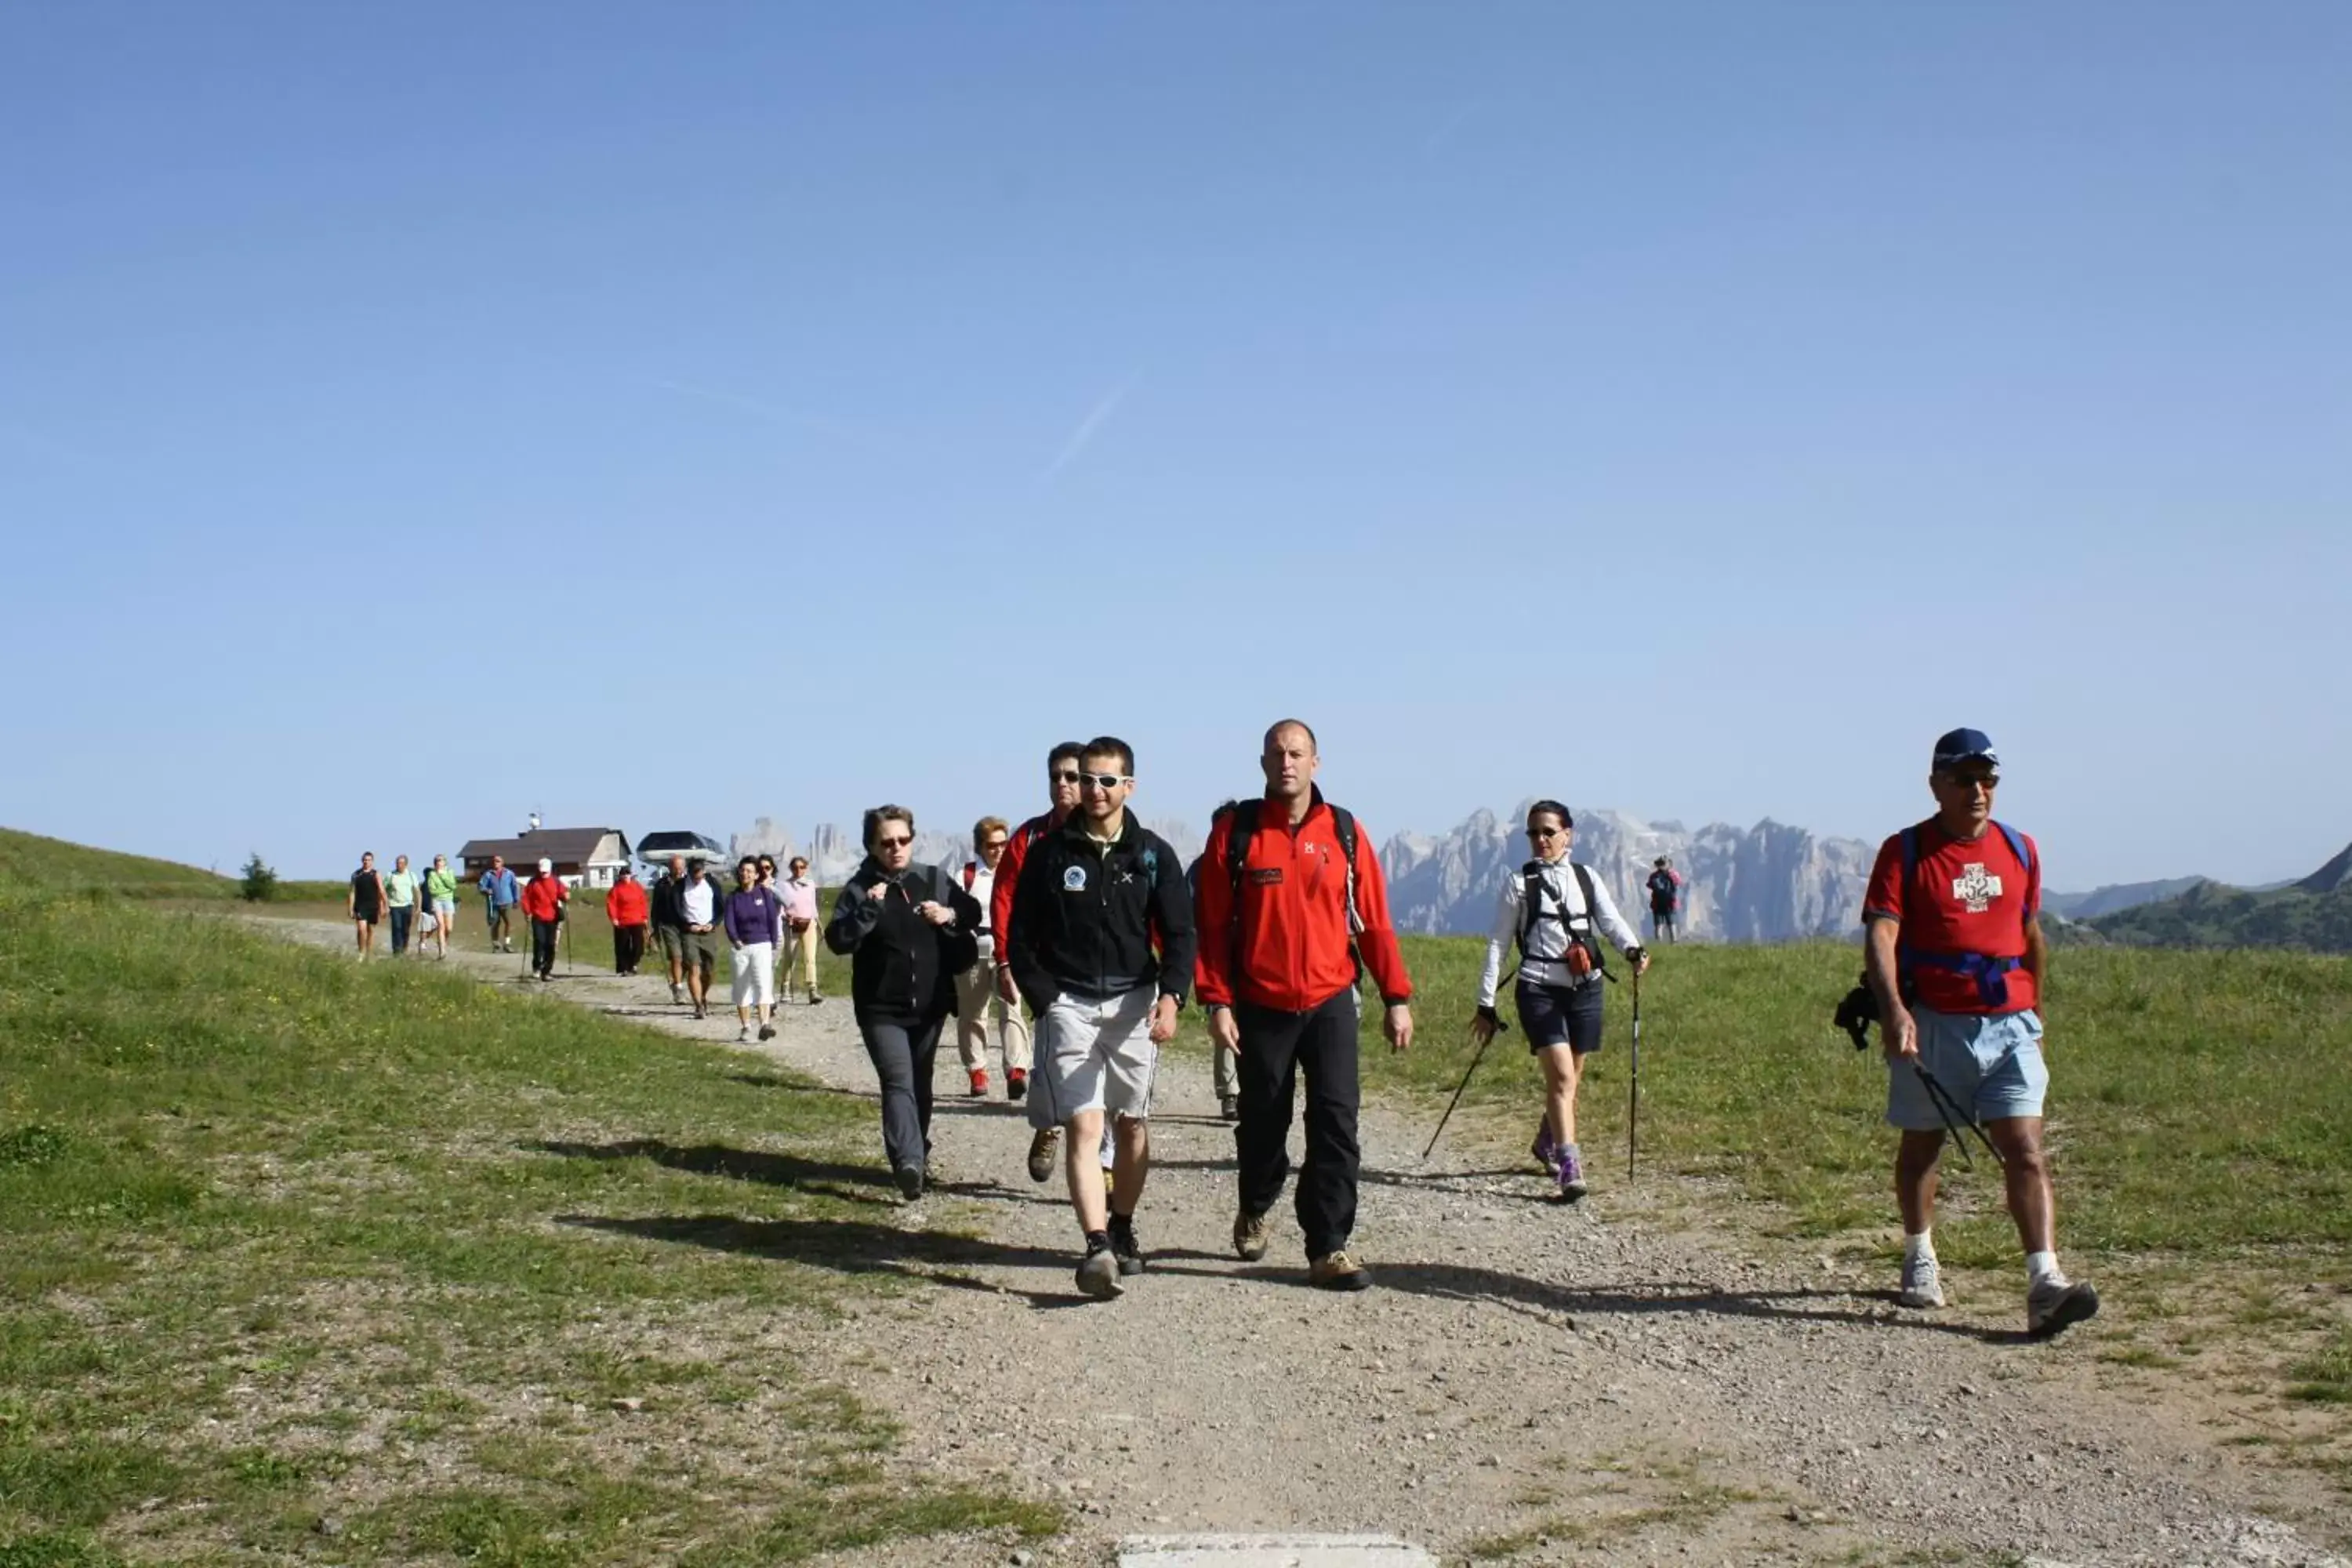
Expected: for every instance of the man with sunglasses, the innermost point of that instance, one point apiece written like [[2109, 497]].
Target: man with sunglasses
[[1956, 959], [1284, 923], [1061, 798], [1100, 945]]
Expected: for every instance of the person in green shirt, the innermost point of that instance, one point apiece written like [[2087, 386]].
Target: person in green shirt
[[400, 898], [441, 904]]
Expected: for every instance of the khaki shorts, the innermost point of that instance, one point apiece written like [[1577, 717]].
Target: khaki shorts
[[1093, 1055]]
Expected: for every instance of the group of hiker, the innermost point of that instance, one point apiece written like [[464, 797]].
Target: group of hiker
[[416, 907], [1082, 914], [1087, 917]]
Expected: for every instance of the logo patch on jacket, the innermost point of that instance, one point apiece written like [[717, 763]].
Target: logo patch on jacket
[[1074, 879], [1266, 875]]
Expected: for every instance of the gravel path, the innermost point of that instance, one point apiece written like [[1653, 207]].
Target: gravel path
[[1522, 1375]]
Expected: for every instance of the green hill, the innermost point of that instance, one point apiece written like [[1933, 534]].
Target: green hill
[[27, 860], [2211, 915]]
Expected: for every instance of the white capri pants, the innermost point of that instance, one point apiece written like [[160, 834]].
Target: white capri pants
[[755, 974]]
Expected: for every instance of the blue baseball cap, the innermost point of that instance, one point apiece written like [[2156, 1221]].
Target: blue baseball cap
[[1961, 746]]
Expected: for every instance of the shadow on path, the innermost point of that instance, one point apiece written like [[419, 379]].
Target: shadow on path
[[833, 1178], [853, 1247]]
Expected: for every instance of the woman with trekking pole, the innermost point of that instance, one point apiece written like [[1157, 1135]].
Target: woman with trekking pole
[[1558, 913]]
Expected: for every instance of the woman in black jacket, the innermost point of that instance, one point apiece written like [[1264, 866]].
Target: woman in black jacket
[[908, 931]]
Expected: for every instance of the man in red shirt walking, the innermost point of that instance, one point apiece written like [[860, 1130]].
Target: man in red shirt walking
[[543, 900], [1290, 894], [630, 912], [1955, 960]]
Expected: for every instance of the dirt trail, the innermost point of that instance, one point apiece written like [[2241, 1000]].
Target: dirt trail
[[1581, 1387]]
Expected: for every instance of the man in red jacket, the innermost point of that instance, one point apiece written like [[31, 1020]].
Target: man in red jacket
[[630, 912], [543, 900], [1283, 915]]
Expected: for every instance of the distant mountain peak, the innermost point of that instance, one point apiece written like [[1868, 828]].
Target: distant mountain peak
[[2336, 874]]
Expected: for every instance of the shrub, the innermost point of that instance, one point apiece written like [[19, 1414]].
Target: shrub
[[261, 883]]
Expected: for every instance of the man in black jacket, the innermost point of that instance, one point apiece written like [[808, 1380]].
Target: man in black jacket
[[1101, 947], [669, 924]]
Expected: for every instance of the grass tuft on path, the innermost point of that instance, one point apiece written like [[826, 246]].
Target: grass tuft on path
[[299, 1248]]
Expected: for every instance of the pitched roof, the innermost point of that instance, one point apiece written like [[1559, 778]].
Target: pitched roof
[[565, 845]]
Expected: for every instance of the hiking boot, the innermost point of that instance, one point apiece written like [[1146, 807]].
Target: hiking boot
[[1099, 1273], [1016, 1086], [1546, 1148], [1571, 1174], [978, 1083], [910, 1182], [2054, 1303], [1123, 1244], [814, 998], [1042, 1149], [1335, 1270], [1251, 1233], [1230, 1107], [742, 1034], [1923, 1284], [676, 992], [767, 1031]]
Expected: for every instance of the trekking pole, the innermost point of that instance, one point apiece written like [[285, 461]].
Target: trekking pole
[[1477, 1057], [1633, 1083], [567, 947], [1955, 1117]]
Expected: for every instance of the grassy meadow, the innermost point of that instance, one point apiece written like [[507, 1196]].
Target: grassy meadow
[[304, 1257]]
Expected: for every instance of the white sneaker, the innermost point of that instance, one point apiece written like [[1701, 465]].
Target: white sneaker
[[2054, 1303], [1923, 1284]]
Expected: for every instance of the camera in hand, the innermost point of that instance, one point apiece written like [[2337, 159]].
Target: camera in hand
[[1857, 1011]]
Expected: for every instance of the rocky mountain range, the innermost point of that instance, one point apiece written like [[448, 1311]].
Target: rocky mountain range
[[1770, 883]]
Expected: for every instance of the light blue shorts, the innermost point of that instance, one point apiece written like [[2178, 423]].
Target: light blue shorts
[[1991, 1066]]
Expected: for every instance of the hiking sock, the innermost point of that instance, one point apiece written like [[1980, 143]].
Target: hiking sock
[[2043, 1267], [1096, 1240], [1919, 1246]]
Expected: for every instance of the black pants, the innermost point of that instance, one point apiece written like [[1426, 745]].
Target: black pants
[[903, 1051], [1275, 1046], [1662, 923], [628, 949], [542, 945], [401, 915]]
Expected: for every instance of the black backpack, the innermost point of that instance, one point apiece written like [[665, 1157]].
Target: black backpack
[[1533, 894]]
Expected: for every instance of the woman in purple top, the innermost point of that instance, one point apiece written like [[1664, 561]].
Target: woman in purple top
[[754, 919]]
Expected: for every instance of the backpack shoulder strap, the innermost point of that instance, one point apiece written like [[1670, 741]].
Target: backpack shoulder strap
[[1531, 891], [1343, 824], [1237, 841], [2019, 845]]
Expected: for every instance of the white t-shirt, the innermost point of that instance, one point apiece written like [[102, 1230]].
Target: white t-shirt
[[699, 902]]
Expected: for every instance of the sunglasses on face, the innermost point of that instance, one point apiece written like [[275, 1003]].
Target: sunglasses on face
[[1063, 776], [1105, 781], [1545, 831], [1970, 781], [892, 843]]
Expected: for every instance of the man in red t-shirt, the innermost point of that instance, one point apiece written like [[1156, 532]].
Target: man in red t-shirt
[[1956, 959]]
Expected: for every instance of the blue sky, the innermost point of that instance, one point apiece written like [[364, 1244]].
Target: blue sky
[[1690, 409]]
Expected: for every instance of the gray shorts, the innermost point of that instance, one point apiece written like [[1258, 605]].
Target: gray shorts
[[1094, 1056], [1990, 1065]]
